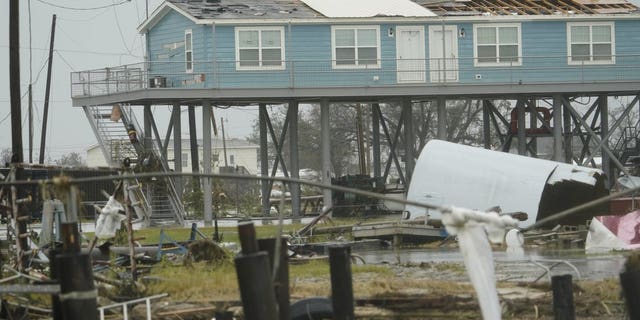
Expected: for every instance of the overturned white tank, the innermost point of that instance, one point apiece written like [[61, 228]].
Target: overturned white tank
[[449, 174]]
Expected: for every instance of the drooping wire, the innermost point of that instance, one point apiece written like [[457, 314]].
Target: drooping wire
[[124, 42], [83, 9]]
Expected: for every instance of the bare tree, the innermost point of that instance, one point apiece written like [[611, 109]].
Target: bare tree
[[72, 159]]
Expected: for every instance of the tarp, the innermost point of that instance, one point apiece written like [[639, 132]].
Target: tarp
[[368, 8], [608, 233]]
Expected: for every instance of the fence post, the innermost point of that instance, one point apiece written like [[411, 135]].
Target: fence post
[[281, 280], [77, 291], [563, 308], [254, 277], [341, 282], [630, 283]]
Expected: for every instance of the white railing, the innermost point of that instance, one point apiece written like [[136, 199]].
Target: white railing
[[323, 73], [125, 306]]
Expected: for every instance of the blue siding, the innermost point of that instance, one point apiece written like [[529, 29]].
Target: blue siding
[[308, 56]]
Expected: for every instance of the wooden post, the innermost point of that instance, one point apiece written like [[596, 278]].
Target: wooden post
[[630, 283], [563, 308], [254, 277], [43, 136], [77, 291], [341, 283], [281, 279]]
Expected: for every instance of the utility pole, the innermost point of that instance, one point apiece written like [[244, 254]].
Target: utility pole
[[43, 135], [21, 215]]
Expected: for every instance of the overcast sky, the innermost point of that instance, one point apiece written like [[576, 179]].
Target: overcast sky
[[85, 39]]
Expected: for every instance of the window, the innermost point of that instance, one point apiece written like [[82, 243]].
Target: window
[[232, 160], [260, 48], [185, 159], [355, 46], [188, 50], [497, 45], [591, 43]]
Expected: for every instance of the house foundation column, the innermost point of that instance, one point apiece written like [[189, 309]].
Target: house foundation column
[[442, 118], [177, 148], [293, 158], [325, 137], [557, 128], [409, 139], [375, 127], [264, 160], [604, 132], [206, 163]]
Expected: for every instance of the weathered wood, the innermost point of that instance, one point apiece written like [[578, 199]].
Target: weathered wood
[[341, 282], [563, 308], [281, 278], [256, 286], [77, 290], [630, 283]]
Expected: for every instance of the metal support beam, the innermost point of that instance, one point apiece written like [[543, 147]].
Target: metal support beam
[[375, 127], [595, 137], [533, 124], [568, 133], [206, 163], [393, 156], [193, 140], [409, 140], [615, 126], [177, 147], [604, 133], [147, 128], [293, 158], [486, 125], [442, 118], [522, 133], [167, 136], [265, 186], [325, 135], [557, 128], [163, 154]]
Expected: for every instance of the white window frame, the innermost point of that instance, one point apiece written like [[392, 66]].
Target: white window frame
[[184, 161], [591, 43], [356, 65], [260, 48], [496, 26], [188, 49]]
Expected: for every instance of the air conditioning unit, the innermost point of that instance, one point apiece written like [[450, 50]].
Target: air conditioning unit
[[158, 82]]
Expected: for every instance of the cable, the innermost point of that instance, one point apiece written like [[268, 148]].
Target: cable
[[64, 60], [84, 9], [115, 13], [85, 20], [83, 51]]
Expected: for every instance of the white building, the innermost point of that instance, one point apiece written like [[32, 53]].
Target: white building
[[239, 153]]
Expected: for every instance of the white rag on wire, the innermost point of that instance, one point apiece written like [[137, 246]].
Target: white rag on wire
[[474, 230]]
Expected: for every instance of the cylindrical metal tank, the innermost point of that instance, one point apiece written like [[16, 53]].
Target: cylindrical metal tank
[[451, 174]]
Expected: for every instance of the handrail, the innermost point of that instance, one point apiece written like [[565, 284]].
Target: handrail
[[130, 118], [125, 306], [308, 73]]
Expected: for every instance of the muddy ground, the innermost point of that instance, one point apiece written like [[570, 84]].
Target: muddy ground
[[429, 291]]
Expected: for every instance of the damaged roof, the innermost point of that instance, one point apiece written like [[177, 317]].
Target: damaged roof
[[527, 7], [206, 11]]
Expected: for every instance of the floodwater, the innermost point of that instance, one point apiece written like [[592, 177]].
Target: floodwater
[[522, 267]]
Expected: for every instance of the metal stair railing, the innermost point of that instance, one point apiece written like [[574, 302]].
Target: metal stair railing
[[106, 140], [627, 143], [129, 119]]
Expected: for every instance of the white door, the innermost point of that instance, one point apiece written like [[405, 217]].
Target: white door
[[443, 53], [410, 54]]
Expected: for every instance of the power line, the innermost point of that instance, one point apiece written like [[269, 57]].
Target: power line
[[84, 9], [84, 51], [65, 61]]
